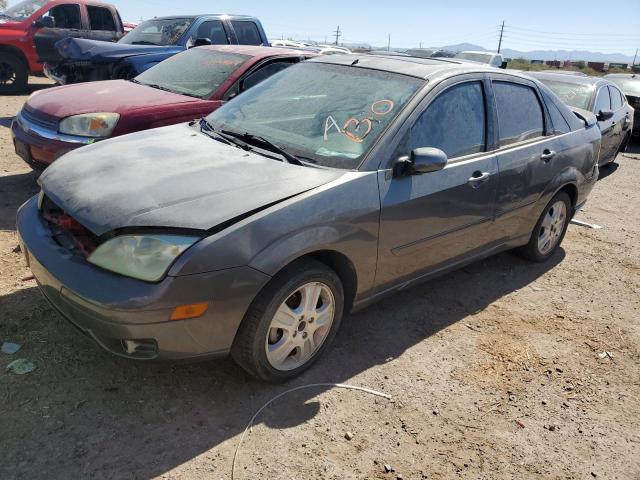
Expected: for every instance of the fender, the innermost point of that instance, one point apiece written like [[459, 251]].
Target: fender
[[569, 176], [140, 63], [324, 219], [18, 53], [335, 239]]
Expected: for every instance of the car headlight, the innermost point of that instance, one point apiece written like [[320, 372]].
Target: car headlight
[[145, 257], [94, 125]]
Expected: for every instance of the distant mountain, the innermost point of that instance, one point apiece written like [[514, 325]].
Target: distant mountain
[[460, 47], [585, 55], [569, 55], [549, 54]]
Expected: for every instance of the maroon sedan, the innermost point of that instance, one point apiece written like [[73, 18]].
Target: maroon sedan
[[184, 87]]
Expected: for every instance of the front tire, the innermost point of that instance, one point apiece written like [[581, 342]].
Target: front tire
[[549, 230], [14, 75], [291, 322]]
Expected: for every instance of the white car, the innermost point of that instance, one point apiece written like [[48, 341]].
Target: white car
[[287, 43], [335, 47], [487, 58]]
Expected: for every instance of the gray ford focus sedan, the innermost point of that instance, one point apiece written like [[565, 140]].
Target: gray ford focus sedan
[[327, 186]]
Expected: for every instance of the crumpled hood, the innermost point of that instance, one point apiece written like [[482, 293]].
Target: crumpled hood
[[118, 96], [78, 49], [170, 177]]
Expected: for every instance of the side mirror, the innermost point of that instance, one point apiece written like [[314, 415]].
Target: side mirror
[[604, 115], [422, 160], [201, 42], [45, 22], [504, 65]]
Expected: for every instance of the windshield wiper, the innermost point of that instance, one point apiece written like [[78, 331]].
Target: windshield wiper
[[144, 42], [155, 85], [248, 137], [209, 131]]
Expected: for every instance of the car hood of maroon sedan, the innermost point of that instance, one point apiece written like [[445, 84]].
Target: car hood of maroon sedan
[[172, 177], [118, 96]]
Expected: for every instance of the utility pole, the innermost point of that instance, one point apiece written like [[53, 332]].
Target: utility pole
[[420, 44], [338, 34], [634, 58], [389, 44], [501, 32]]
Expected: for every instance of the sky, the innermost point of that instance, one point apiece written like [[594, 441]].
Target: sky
[[529, 25]]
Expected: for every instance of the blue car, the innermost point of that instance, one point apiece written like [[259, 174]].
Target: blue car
[[82, 60]]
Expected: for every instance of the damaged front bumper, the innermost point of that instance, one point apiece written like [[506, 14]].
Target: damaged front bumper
[[131, 318], [68, 72], [52, 73]]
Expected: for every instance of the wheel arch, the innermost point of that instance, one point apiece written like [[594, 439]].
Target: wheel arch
[[344, 268], [16, 52], [571, 189], [337, 261]]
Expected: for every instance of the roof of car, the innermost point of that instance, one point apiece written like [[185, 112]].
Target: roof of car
[[624, 75], [561, 77], [412, 66], [217, 15], [259, 52]]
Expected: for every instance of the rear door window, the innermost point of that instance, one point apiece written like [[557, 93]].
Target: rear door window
[[455, 122], [560, 124], [264, 72], [101, 18], [66, 16], [520, 114], [214, 31], [246, 32], [616, 99], [603, 101]]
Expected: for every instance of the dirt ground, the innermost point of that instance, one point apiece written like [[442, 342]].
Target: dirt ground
[[495, 372]]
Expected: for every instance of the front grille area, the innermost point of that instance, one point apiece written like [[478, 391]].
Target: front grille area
[[66, 231], [39, 120]]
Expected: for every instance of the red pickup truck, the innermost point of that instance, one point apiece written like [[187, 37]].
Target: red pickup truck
[[30, 29]]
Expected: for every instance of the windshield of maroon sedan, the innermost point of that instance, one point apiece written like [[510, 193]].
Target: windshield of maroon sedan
[[573, 94], [198, 72], [23, 10], [163, 32], [325, 114]]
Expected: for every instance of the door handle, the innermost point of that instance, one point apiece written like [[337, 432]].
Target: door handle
[[547, 155], [478, 178]]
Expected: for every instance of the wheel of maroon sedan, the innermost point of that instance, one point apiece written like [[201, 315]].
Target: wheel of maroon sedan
[[13, 75], [291, 322], [550, 229]]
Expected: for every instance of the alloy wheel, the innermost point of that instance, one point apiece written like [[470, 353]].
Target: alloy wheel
[[300, 326], [552, 227], [7, 74]]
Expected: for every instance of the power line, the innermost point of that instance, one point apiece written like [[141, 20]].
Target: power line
[[573, 34], [572, 43], [568, 41]]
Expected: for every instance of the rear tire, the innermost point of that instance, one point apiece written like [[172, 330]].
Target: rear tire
[[275, 354], [549, 230], [625, 143], [14, 75]]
